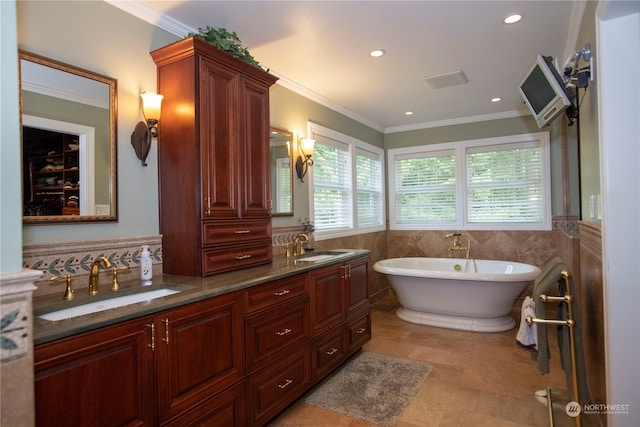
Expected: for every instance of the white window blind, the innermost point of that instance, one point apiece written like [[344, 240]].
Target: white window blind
[[505, 184], [332, 185], [425, 187], [369, 205]]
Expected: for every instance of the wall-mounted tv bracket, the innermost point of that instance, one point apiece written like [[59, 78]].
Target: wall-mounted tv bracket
[[582, 74]]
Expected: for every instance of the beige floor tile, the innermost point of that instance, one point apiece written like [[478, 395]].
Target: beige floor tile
[[478, 379]]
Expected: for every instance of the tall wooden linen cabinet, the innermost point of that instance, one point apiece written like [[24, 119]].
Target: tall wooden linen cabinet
[[213, 160]]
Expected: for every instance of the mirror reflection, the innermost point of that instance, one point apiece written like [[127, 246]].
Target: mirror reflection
[[68, 142], [281, 142]]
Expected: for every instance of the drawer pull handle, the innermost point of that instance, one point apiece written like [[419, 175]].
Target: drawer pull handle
[[243, 257], [152, 346], [284, 332], [360, 331], [332, 351], [242, 231], [283, 292], [166, 330], [285, 384]]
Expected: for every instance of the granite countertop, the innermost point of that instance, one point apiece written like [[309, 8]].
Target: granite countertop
[[192, 289]]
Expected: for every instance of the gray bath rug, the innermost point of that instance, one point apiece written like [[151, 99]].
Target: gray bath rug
[[371, 387]]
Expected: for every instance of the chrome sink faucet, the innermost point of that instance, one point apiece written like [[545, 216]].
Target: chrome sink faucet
[[298, 244], [94, 276]]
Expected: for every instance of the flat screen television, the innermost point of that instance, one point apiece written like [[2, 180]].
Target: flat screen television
[[544, 92]]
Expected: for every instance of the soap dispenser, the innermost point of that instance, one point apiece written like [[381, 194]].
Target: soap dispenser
[[146, 267]]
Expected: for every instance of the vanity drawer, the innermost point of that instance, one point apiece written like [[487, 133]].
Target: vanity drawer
[[358, 331], [277, 292], [217, 260], [327, 352], [222, 232], [274, 388], [274, 333]]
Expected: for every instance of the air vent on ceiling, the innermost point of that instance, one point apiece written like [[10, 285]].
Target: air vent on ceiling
[[445, 80]]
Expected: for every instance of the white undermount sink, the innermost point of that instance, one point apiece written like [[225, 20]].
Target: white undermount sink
[[106, 304], [315, 258], [321, 256]]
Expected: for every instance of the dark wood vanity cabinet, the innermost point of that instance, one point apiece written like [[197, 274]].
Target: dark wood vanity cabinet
[[237, 359], [173, 368], [213, 157], [98, 378], [340, 313]]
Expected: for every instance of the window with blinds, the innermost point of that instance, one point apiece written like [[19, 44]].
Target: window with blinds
[[495, 183], [347, 185], [331, 179], [505, 184], [369, 205], [425, 188]]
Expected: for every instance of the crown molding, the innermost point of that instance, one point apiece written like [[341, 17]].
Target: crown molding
[[458, 121], [148, 14]]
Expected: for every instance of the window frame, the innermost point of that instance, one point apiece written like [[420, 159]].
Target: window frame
[[318, 132], [460, 149]]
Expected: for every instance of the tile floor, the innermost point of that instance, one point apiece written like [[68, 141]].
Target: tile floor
[[478, 379]]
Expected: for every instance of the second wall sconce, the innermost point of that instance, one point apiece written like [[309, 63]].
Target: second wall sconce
[[144, 132], [304, 160]]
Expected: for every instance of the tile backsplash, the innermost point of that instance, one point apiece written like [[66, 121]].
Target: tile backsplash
[[75, 258]]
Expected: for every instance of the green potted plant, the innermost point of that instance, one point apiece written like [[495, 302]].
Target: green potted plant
[[226, 41]]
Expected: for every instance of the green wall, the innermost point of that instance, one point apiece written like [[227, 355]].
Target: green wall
[[588, 120], [10, 156]]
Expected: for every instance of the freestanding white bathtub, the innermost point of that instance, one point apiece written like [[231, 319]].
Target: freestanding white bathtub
[[438, 291]]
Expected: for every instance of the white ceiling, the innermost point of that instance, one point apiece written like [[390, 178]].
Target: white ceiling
[[321, 50]]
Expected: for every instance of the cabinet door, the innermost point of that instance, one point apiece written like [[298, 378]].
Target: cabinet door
[[218, 141], [327, 298], [255, 156], [98, 378], [358, 289], [199, 351]]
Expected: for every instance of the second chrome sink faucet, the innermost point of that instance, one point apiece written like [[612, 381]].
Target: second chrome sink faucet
[[94, 276]]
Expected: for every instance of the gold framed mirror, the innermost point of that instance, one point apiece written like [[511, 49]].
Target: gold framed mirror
[[68, 117], [280, 146]]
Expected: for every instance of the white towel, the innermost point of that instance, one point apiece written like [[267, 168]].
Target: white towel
[[527, 335]]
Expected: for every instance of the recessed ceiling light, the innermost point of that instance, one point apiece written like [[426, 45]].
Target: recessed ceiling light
[[408, 113], [496, 99], [376, 53], [512, 19]]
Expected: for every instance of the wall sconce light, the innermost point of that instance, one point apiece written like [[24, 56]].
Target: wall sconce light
[[144, 132], [305, 146]]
